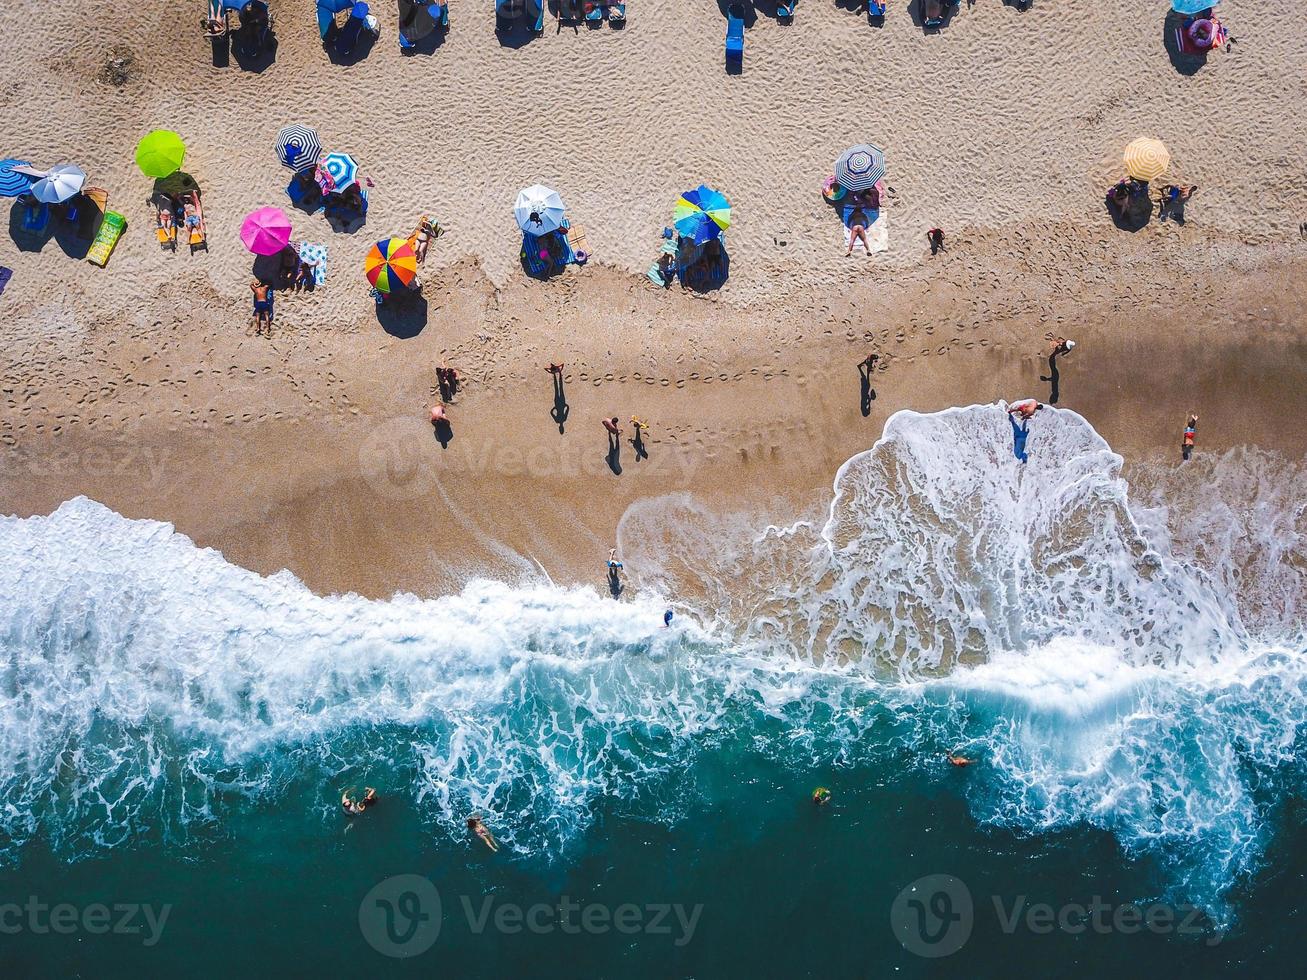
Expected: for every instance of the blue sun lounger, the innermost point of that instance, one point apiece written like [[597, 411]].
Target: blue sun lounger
[[735, 38], [875, 8], [36, 217], [348, 37], [785, 11]]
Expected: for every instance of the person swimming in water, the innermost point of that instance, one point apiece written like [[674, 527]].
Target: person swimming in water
[[475, 825], [821, 796], [355, 807], [955, 758]]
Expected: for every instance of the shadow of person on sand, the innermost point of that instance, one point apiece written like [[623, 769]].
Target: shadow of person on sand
[[614, 457], [1134, 215], [1053, 378], [615, 586], [638, 444], [561, 409], [403, 314], [444, 432], [866, 393]]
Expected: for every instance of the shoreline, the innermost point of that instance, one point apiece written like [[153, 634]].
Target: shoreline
[[352, 493]]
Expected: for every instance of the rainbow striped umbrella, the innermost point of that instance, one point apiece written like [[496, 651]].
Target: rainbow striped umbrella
[[1146, 159], [391, 264], [702, 214]]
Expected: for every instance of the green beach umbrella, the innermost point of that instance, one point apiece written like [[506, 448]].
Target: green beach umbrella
[[160, 153]]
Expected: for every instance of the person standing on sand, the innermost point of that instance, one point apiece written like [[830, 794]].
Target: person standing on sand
[[936, 238], [262, 307], [868, 364], [1190, 431], [438, 414]]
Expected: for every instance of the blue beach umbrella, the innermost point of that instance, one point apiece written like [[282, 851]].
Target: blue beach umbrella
[[1192, 6], [340, 169], [61, 183], [12, 184], [298, 147], [859, 167], [327, 11], [702, 214]]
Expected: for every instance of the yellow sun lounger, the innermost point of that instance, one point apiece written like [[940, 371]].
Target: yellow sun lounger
[[111, 229]]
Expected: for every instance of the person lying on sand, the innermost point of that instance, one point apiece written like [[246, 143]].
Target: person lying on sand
[[1025, 408], [475, 825], [858, 231], [438, 414]]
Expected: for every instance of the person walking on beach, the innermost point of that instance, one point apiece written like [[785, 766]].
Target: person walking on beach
[[637, 440], [936, 238], [438, 414], [475, 825], [447, 380], [1190, 431], [262, 307], [1061, 347], [1026, 408]]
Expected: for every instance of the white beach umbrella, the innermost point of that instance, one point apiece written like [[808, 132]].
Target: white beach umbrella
[[539, 210], [59, 184]]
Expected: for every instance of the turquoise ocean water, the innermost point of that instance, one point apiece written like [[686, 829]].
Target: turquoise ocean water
[[1125, 663]]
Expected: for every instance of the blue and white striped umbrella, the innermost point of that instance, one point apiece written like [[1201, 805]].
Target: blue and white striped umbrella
[[1192, 6], [859, 167], [298, 147], [12, 184], [59, 184], [341, 170]]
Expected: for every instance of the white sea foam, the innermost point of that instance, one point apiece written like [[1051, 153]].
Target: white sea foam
[[950, 596]]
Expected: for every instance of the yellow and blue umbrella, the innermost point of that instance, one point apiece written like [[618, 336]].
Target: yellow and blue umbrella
[[702, 214], [391, 264]]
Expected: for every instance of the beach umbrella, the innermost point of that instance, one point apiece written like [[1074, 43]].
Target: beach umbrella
[[298, 147], [859, 167], [327, 11], [160, 153], [1192, 6], [61, 183], [702, 214], [391, 264], [539, 210], [12, 181], [266, 231], [1146, 159], [336, 172]]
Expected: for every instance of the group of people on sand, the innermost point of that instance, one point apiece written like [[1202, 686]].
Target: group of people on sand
[[357, 807], [448, 381], [1172, 198]]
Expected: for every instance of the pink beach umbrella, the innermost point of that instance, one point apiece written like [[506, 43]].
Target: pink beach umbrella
[[266, 231]]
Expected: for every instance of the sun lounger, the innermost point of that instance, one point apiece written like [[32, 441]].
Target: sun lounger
[[111, 229], [594, 11], [165, 230], [617, 14], [735, 38], [570, 11], [876, 8], [785, 11]]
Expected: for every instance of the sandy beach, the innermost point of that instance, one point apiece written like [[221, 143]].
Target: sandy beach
[[141, 385]]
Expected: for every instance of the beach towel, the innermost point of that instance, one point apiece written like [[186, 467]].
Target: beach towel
[[311, 252], [877, 229], [5, 276]]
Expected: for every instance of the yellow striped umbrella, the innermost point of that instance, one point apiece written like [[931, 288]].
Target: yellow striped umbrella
[[1146, 159], [391, 264]]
